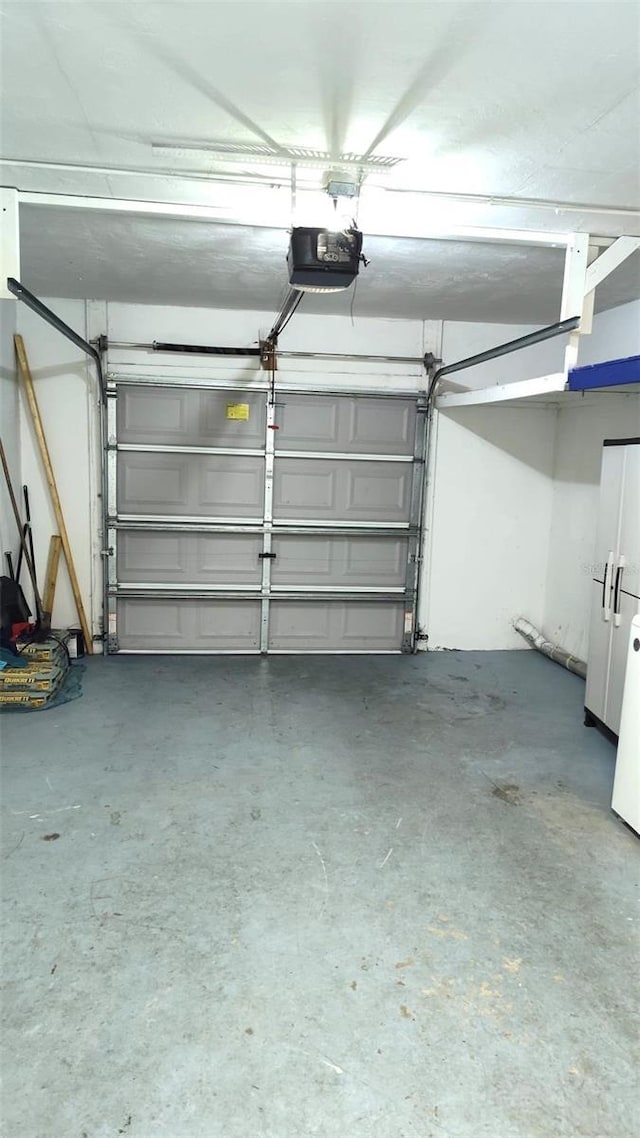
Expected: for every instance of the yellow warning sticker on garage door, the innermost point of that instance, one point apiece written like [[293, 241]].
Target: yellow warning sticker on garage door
[[238, 411]]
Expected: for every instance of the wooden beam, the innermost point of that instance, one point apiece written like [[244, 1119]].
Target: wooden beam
[[575, 267], [27, 379], [53, 560], [608, 261]]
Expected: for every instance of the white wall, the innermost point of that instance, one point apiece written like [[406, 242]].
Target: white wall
[[491, 495], [515, 493], [9, 429], [488, 542], [616, 334], [461, 340], [146, 323]]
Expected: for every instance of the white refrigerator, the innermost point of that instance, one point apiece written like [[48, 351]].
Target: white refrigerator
[[616, 584]]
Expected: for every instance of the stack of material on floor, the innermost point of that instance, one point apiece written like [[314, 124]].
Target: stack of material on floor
[[38, 683]]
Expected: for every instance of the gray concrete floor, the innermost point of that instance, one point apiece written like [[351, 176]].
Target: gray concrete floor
[[345, 898]]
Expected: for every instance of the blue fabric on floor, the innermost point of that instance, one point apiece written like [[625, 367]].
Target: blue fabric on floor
[[71, 689], [12, 659]]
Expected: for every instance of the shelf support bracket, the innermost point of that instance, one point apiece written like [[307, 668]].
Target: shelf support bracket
[[573, 291], [608, 261], [9, 239]]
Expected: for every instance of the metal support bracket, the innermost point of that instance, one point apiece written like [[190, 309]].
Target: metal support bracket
[[268, 356], [431, 364], [101, 343]]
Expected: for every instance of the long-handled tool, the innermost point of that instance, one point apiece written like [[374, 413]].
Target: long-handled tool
[[12, 577], [20, 554], [29, 529], [42, 619]]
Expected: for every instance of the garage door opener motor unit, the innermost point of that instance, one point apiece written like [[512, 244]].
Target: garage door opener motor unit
[[320, 260]]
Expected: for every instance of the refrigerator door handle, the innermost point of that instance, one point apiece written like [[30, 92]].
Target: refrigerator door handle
[[606, 592], [617, 616]]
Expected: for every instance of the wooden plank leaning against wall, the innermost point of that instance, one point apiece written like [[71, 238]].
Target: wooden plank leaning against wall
[[27, 380]]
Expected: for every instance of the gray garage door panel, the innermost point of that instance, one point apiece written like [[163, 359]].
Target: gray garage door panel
[[326, 490], [339, 562], [149, 625], [347, 626], [190, 485], [184, 417], [189, 559], [203, 585], [339, 423]]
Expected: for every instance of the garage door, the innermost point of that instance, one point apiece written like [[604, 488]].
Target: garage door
[[239, 526]]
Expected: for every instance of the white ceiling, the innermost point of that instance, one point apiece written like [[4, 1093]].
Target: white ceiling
[[144, 260], [525, 100]]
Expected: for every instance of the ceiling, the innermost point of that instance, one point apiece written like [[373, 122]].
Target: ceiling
[[145, 260], [536, 101]]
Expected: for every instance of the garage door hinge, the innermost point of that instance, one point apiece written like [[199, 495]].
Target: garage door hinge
[[267, 556], [416, 559], [107, 552]]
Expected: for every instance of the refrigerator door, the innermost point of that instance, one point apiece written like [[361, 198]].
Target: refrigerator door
[[595, 699], [628, 608], [629, 545], [609, 512], [604, 570], [626, 784]]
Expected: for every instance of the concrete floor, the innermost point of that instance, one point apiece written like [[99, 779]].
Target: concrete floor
[[345, 898]]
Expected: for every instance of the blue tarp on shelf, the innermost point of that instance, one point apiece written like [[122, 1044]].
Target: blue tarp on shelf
[[611, 373]]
